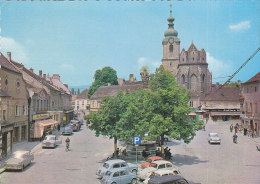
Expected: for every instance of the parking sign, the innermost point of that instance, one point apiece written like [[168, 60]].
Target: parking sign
[[137, 140]]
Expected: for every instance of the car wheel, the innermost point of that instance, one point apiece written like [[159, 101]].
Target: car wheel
[[134, 181], [134, 171], [113, 183]]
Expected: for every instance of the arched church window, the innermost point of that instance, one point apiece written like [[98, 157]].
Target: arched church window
[[192, 59], [193, 82], [183, 79], [171, 48], [203, 83]]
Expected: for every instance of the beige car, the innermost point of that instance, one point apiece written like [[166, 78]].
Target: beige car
[[51, 141], [163, 172], [19, 160], [157, 166]]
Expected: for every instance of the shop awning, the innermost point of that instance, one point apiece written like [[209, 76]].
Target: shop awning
[[225, 113], [192, 114], [39, 126]]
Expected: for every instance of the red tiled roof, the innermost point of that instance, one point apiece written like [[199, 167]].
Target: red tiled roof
[[226, 93], [112, 90], [254, 79], [83, 94], [6, 64]]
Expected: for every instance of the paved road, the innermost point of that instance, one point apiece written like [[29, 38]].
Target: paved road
[[198, 161], [57, 166], [226, 163]]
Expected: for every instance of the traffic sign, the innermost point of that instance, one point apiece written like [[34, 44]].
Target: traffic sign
[[137, 140]]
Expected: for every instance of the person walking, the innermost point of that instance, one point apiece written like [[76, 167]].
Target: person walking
[[231, 127]]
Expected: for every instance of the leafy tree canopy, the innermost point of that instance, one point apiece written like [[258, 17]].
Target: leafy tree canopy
[[102, 78]]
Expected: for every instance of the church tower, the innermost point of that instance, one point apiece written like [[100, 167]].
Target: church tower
[[171, 47]]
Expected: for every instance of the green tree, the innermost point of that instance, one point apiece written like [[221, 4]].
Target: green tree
[[171, 112], [104, 122], [102, 78]]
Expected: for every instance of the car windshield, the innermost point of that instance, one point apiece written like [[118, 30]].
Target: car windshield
[[149, 160], [108, 173], [106, 165], [214, 135], [49, 138], [67, 128]]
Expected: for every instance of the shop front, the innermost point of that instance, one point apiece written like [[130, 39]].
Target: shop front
[[225, 115], [68, 116], [44, 127], [6, 139]]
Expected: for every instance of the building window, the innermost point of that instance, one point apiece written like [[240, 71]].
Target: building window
[[247, 90], [256, 110], [171, 48], [183, 59], [246, 108], [251, 107], [191, 103], [24, 110], [202, 59], [4, 115], [256, 89], [6, 82], [192, 59], [18, 84], [17, 110]]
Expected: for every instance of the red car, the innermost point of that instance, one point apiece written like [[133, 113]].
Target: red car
[[150, 160]]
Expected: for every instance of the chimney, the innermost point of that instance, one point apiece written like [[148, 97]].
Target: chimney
[[44, 76], [239, 82], [31, 70], [66, 85], [40, 73], [9, 56], [56, 76]]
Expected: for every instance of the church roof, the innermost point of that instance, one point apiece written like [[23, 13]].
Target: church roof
[[192, 47], [112, 90]]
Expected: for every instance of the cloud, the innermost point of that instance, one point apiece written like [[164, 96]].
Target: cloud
[[17, 50], [152, 65], [219, 69], [241, 26], [66, 67]]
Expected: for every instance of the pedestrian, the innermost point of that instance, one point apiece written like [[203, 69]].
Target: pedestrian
[[231, 127], [245, 131], [58, 127]]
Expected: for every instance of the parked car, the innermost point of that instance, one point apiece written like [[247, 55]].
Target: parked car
[[214, 138], [75, 125], [168, 179], [51, 141], [19, 160], [149, 161], [117, 163], [119, 176], [67, 130], [156, 165], [163, 172]]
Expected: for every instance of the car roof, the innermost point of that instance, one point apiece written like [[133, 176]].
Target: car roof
[[116, 170], [155, 157], [163, 171], [21, 152], [114, 161], [166, 178], [161, 162], [213, 133]]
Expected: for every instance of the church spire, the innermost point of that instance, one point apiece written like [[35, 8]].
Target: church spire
[[170, 19]]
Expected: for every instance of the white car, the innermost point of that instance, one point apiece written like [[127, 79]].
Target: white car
[[50, 141], [163, 172], [156, 166], [214, 138], [19, 160]]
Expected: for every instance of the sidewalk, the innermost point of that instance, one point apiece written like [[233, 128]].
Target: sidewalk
[[27, 146]]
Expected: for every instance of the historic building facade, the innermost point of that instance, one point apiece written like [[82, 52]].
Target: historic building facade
[[190, 67]]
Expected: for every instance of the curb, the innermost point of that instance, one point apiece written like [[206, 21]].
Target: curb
[[2, 170]]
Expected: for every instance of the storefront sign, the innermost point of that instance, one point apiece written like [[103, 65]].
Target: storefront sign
[[40, 116], [64, 118]]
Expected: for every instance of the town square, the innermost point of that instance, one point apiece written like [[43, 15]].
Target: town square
[[140, 92]]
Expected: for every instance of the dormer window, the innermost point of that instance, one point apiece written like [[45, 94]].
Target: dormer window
[[171, 48]]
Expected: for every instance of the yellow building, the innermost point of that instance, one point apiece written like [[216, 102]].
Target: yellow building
[[13, 105]]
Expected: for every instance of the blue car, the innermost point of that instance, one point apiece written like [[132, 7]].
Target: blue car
[[67, 130], [119, 176], [117, 163]]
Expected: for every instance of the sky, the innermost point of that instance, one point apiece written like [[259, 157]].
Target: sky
[[74, 39]]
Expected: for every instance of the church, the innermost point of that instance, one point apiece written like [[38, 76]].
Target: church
[[190, 67]]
